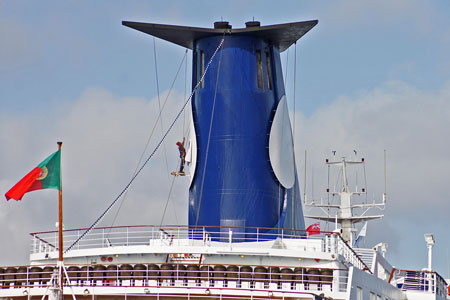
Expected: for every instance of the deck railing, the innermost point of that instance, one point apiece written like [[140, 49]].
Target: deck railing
[[422, 281], [141, 235], [367, 256], [104, 237], [179, 275]]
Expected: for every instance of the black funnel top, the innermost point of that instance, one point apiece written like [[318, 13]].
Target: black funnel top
[[280, 35]]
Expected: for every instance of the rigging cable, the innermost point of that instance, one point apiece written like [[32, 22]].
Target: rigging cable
[[159, 105], [294, 207], [151, 155], [209, 134], [167, 203], [295, 81], [185, 90], [149, 138], [186, 121], [178, 166], [286, 66]]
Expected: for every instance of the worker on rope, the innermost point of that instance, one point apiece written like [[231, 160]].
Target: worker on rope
[[182, 155]]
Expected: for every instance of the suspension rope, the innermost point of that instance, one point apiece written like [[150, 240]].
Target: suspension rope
[[293, 138], [167, 203], [149, 138], [185, 89], [209, 135], [287, 61], [295, 81], [151, 155], [159, 105]]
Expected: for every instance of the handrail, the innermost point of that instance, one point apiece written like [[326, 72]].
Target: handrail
[[25, 277], [172, 263], [176, 233], [185, 232], [423, 281], [353, 251], [194, 227], [44, 241]]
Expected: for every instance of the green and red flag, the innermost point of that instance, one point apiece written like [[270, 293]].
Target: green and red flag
[[46, 175]]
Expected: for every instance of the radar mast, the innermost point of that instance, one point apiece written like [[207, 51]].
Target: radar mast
[[344, 212]]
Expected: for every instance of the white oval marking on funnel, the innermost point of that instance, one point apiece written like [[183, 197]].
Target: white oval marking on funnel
[[191, 152], [281, 146]]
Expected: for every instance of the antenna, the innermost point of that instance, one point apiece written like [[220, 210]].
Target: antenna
[[312, 185], [384, 194], [356, 172], [304, 183]]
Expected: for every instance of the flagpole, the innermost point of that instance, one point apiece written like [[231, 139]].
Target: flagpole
[[60, 231], [60, 221]]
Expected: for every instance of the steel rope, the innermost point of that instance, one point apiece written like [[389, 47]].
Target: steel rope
[[150, 156], [150, 136], [209, 136]]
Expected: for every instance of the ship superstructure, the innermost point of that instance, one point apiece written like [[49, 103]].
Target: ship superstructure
[[246, 236]]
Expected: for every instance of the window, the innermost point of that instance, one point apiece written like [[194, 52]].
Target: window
[[359, 293], [259, 71], [372, 296], [195, 68], [202, 68], [269, 70]]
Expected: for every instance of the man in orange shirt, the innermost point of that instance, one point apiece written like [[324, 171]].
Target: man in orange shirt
[[182, 155]]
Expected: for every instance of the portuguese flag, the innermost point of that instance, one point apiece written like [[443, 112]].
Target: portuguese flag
[[46, 175]]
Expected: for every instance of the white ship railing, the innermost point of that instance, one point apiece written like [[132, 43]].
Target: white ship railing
[[367, 256], [420, 281], [286, 279], [105, 237]]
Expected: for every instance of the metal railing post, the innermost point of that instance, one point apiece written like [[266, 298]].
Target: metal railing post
[[434, 278], [257, 234], [204, 237], [34, 244]]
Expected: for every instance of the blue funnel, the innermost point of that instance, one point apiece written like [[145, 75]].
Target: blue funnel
[[243, 170]]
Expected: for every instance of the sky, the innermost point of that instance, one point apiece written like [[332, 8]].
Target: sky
[[371, 76]]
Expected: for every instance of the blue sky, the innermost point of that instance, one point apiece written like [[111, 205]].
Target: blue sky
[[371, 75]]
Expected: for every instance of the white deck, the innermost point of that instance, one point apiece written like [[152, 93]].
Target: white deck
[[149, 241], [180, 262]]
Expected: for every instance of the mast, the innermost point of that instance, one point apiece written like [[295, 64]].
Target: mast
[[59, 290], [344, 210]]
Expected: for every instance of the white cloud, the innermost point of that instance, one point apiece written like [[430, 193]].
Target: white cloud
[[409, 123], [412, 125], [103, 137]]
